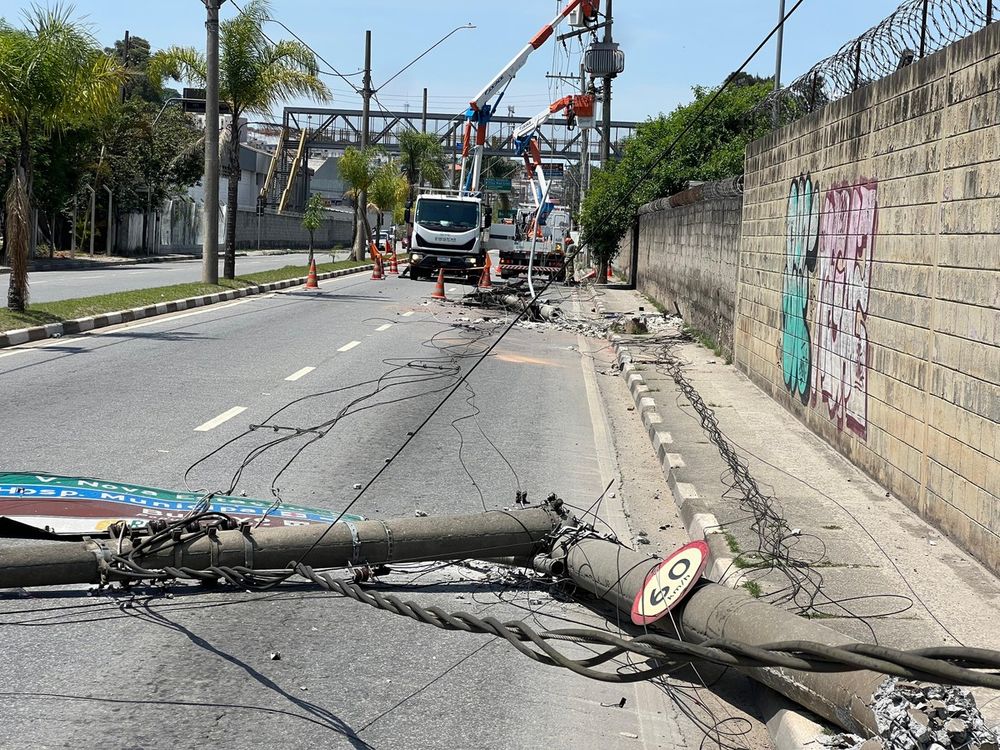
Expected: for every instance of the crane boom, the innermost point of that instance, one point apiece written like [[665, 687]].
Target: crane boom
[[589, 8], [480, 111]]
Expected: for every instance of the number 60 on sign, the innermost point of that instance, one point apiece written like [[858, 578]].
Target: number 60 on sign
[[669, 582]]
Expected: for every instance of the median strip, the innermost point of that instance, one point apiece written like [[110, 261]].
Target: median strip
[[79, 315]]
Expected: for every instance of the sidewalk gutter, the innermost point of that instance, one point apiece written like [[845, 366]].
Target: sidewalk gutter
[[79, 325]]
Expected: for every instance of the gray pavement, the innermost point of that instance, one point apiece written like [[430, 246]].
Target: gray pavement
[[143, 670], [47, 286]]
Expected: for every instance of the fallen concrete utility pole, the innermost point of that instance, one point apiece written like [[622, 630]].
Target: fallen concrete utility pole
[[498, 534], [617, 575], [529, 538]]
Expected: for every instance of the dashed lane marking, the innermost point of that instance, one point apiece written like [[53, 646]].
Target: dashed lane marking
[[408, 314], [385, 327], [222, 418], [348, 347], [300, 373]]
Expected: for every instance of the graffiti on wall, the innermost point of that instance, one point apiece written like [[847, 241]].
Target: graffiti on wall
[[824, 353], [801, 245]]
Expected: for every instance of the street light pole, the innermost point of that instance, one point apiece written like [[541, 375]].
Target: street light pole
[[210, 246]]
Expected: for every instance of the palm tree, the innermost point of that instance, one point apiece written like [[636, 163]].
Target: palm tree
[[388, 191], [254, 75], [422, 159], [358, 170], [53, 75]]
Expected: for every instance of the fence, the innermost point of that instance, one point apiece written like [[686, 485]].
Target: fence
[[917, 28]]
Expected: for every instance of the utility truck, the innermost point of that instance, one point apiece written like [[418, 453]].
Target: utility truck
[[541, 225], [447, 228], [447, 235]]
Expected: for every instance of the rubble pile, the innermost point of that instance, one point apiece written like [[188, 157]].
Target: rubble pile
[[912, 716]]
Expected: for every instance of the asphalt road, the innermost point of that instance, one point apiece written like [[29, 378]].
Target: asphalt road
[[146, 671], [46, 286]]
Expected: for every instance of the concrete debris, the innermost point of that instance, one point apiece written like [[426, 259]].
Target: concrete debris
[[357, 485], [420, 514], [914, 716], [274, 656]]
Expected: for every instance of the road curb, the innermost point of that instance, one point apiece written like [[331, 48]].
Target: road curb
[[80, 325], [698, 520], [788, 727]]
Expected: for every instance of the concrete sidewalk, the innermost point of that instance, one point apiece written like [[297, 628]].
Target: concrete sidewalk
[[806, 530]]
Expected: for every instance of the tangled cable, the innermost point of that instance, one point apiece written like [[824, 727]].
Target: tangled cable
[[950, 665], [915, 29]]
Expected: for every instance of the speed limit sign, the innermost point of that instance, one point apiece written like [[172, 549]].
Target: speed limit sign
[[669, 582]]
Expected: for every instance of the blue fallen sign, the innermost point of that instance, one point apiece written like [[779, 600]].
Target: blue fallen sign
[[75, 506]]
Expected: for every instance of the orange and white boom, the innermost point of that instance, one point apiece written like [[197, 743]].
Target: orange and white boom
[[480, 111]]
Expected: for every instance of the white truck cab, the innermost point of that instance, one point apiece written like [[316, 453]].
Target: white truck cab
[[447, 234]]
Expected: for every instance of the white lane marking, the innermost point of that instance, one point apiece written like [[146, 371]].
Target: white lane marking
[[224, 417], [300, 373], [92, 276], [348, 347], [408, 314], [386, 327], [48, 343], [453, 289]]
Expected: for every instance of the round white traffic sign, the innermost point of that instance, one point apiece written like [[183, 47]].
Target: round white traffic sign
[[669, 582]]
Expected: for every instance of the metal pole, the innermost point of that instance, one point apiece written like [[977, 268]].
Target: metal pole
[[361, 243], [423, 117], [72, 238], [210, 247], [776, 113], [857, 65], [923, 28], [111, 220], [606, 99], [93, 216], [989, 12]]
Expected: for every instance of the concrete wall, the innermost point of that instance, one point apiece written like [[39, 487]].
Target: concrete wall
[[870, 283], [688, 248]]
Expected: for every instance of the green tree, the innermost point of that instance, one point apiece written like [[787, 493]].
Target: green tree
[[358, 170], [422, 160], [136, 61], [387, 192], [712, 149], [254, 75], [53, 75], [148, 161], [313, 218]]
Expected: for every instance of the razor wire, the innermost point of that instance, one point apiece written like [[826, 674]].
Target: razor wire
[[916, 29]]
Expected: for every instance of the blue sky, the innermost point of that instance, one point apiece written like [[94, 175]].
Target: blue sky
[[670, 45]]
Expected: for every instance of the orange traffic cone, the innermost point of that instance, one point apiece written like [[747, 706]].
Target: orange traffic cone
[[311, 277], [377, 269], [439, 288], [393, 262], [484, 281]]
